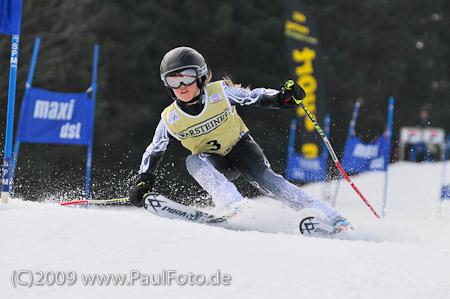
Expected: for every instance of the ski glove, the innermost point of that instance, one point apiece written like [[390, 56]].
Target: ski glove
[[144, 184], [290, 92]]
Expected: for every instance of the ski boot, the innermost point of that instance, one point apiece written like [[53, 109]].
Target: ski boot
[[341, 223]]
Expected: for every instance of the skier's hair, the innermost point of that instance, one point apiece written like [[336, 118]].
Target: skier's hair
[[229, 82], [208, 77]]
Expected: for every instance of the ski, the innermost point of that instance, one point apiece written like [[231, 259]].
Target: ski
[[313, 227], [160, 205]]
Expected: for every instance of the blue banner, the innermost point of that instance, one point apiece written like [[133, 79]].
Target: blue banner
[[52, 117], [303, 169], [360, 156], [10, 16]]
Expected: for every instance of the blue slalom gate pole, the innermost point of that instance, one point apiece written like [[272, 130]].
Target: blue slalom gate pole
[[445, 188], [10, 118], [37, 42], [389, 136], [326, 130], [88, 171], [292, 130], [93, 90]]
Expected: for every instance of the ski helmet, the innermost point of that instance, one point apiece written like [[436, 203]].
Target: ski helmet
[[183, 58]]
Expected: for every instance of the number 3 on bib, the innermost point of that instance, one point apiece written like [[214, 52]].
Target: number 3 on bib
[[214, 145]]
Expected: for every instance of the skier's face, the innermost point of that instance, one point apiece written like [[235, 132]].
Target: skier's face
[[186, 93]]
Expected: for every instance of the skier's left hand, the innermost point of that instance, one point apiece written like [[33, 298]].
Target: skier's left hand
[[144, 184], [290, 93]]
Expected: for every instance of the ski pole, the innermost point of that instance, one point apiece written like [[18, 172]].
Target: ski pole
[[98, 202], [288, 85]]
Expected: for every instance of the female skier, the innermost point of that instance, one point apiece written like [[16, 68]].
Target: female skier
[[204, 119]]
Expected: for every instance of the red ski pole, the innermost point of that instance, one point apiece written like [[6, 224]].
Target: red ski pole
[[97, 201], [288, 86]]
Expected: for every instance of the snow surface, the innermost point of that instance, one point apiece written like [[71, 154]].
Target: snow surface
[[405, 255]]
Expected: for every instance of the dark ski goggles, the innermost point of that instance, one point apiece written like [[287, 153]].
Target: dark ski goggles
[[185, 77]]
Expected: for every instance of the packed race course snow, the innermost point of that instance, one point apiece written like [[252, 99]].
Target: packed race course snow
[[405, 255]]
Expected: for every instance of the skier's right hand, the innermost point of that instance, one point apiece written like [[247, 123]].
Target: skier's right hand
[[291, 94], [143, 184]]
